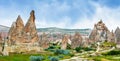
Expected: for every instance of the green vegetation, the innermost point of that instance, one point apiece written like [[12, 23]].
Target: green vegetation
[[81, 49], [108, 44], [36, 58], [113, 52], [113, 55], [106, 58], [43, 56], [52, 53]]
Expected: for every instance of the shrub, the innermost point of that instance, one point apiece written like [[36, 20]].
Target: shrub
[[66, 52], [54, 59], [68, 46], [60, 56], [78, 49], [113, 52], [36, 58], [59, 51], [109, 44], [51, 47], [71, 55], [88, 49]]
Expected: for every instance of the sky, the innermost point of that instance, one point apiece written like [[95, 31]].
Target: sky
[[73, 14]]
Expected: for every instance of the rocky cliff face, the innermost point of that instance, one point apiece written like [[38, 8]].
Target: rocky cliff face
[[76, 40], [20, 34], [117, 35], [101, 33]]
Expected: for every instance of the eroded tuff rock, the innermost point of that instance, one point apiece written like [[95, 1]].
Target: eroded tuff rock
[[15, 32], [20, 34], [76, 40], [101, 33], [65, 41], [43, 41], [11, 34], [30, 32], [117, 35]]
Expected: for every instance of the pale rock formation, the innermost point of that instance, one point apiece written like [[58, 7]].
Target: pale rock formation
[[11, 34], [76, 40], [44, 42], [101, 33], [65, 41], [30, 32], [15, 32], [117, 35]]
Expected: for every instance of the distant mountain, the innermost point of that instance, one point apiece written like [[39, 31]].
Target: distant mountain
[[54, 30], [64, 31], [4, 28]]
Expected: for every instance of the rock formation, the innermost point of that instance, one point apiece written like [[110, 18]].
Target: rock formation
[[76, 40], [30, 32], [117, 35], [1, 41], [20, 34], [15, 32], [43, 42], [11, 34], [101, 33], [65, 41]]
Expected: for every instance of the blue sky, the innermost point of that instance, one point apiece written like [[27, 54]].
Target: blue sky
[[62, 13]]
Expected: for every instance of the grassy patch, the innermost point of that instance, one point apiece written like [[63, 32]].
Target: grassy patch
[[26, 57]]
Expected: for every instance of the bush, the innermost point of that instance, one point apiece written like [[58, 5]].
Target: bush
[[54, 59], [51, 47], [59, 51], [78, 49], [88, 49], [66, 52], [36, 58], [113, 52], [109, 44], [60, 56], [71, 55]]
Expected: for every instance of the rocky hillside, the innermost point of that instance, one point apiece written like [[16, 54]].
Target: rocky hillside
[[55, 30], [4, 28]]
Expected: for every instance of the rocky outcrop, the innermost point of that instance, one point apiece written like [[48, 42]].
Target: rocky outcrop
[[65, 41], [76, 40], [43, 41], [11, 34], [20, 34], [15, 32], [29, 31], [101, 33], [117, 35], [1, 41]]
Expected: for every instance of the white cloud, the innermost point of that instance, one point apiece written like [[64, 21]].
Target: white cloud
[[43, 10], [62, 23], [109, 16]]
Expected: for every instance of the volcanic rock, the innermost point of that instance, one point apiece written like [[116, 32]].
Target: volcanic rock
[[12, 34], [15, 32], [65, 41], [117, 35], [76, 40], [30, 32], [101, 33], [43, 41]]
